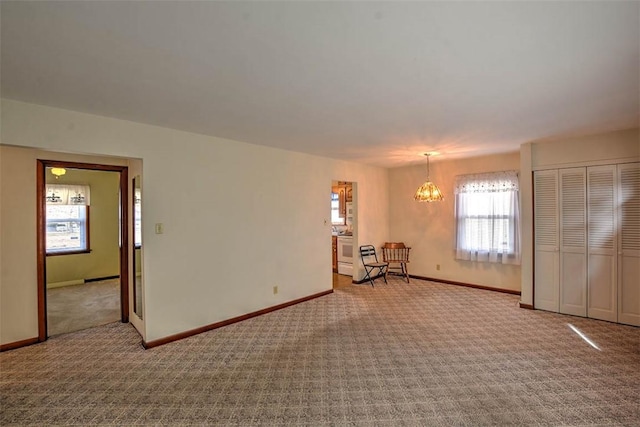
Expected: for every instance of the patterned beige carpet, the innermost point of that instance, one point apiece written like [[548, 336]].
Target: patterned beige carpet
[[419, 354]]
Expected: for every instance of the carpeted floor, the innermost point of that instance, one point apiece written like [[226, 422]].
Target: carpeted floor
[[72, 308], [419, 354]]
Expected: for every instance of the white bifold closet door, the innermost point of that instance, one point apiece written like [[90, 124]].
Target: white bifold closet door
[[573, 241], [602, 243], [547, 261], [587, 241], [629, 244]]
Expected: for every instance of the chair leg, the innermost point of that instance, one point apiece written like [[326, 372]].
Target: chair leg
[[405, 270], [368, 276]]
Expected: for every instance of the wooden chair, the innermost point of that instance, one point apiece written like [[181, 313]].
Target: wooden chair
[[371, 263], [396, 255]]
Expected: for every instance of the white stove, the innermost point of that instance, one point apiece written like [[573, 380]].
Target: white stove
[[345, 255]]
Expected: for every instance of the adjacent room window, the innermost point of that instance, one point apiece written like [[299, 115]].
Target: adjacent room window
[[67, 210], [336, 219], [488, 217]]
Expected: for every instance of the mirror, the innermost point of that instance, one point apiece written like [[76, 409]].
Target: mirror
[[137, 245]]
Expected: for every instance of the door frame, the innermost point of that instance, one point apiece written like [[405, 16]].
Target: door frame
[[41, 235]]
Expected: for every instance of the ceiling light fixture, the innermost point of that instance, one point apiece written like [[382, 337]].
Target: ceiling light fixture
[[428, 192], [58, 172]]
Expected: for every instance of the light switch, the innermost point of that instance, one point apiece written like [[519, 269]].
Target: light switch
[[159, 228]]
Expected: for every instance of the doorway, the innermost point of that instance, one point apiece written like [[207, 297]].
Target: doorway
[[67, 233], [342, 232]]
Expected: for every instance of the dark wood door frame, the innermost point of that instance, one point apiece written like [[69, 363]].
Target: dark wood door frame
[[41, 235]]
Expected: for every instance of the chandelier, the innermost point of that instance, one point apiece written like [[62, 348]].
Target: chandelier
[[428, 192], [58, 172]]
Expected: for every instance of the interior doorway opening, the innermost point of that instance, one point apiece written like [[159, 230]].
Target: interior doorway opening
[[65, 239], [343, 227]]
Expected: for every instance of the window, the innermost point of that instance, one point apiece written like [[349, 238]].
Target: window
[[67, 219], [336, 219], [487, 217]]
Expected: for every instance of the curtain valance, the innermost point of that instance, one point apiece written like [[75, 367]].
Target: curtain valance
[[64, 194], [490, 182]]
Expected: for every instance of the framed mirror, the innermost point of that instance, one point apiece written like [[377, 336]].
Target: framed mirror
[[137, 245]]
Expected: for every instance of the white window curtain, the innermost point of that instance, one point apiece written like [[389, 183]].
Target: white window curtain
[[62, 194], [488, 217]]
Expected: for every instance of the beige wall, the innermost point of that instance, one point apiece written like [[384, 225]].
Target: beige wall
[[606, 148], [103, 260], [611, 147], [238, 218], [18, 274], [429, 228]]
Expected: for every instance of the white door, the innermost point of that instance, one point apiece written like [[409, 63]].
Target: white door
[[602, 243], [546, 256], [629, 244], [573, 241]]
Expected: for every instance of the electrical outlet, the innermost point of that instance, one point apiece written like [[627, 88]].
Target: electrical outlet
[[438, 267], [275, 289]]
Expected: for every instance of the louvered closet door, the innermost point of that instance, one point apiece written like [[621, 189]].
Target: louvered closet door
[[547, 270], [602, 243], [573, 241], [629, 244]]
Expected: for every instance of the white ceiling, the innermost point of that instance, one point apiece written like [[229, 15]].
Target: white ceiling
[[373, 82]]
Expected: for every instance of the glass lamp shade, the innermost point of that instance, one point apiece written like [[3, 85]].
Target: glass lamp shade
[[428, 192], [58, 171]]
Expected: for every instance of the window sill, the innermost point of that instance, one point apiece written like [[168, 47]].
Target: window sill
[[84, 251]]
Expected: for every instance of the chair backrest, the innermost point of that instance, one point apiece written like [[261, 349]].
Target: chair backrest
[[394, 245], [395, 252], [368, 253]]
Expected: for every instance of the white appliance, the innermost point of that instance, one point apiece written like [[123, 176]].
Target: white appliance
[[345, 255]]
